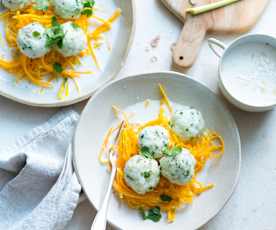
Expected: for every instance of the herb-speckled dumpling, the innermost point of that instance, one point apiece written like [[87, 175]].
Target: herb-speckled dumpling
[[68, 9], [178, 169], [74, 40], [154, 139], [141, 174], [187, 122], [31, 40]]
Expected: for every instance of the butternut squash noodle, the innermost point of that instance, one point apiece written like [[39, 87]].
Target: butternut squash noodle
[[208, 146]]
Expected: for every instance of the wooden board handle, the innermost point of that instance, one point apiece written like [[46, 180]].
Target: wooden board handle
[[189, 42]]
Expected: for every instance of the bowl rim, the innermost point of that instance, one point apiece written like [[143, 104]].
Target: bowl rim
[[89, 94], [234, 100], [176, 75]]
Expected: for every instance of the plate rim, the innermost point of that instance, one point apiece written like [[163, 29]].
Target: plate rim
[[177, 75], [110, 78]]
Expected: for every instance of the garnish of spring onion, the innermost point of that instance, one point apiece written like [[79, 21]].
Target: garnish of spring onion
[[209, 7]]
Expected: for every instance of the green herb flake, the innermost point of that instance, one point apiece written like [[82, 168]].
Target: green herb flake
[[87, 11], [166, 151], [54, 38], [75, 26], [54, 21], [144, 151], [88, 7], [146, 174], [173, 151], [176, 150], [57, 67], [165, 198], [88, 3], [152, 214], [60, 43], [55, 34], [36, 34]]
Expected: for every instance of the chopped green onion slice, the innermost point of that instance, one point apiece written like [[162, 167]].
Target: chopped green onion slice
[[209, 7]]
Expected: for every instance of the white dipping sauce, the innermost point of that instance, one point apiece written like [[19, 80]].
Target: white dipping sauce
[[249, 73]]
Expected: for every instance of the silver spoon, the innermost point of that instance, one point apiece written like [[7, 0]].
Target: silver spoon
[[99, 222]]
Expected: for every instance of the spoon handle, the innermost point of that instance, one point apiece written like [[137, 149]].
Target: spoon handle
[[99, 222]]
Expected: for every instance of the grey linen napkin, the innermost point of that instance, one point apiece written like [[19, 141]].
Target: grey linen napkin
[[44, 190]]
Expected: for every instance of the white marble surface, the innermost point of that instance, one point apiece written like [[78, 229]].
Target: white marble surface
[[253, 204]]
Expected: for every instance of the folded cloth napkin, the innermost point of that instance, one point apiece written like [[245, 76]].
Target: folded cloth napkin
[[44, 190]]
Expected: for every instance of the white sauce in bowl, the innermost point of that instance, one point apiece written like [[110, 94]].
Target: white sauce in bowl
[[249, 73]]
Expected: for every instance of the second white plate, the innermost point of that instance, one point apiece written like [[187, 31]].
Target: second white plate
[[97, 117]]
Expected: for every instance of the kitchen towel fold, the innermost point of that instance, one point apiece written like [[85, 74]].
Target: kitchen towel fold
[[44, 190]]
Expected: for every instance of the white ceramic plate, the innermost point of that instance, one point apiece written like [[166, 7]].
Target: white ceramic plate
[[120, 38], [97, 117]]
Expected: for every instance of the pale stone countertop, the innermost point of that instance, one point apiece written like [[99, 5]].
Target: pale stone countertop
[[253, 205]]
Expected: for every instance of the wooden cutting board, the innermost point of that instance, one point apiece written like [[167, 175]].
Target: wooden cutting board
[[236, 18]]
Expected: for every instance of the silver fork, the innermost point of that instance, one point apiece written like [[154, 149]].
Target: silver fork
[[99, 222]]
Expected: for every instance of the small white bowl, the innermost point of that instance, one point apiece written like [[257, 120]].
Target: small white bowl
[[233, 61]]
